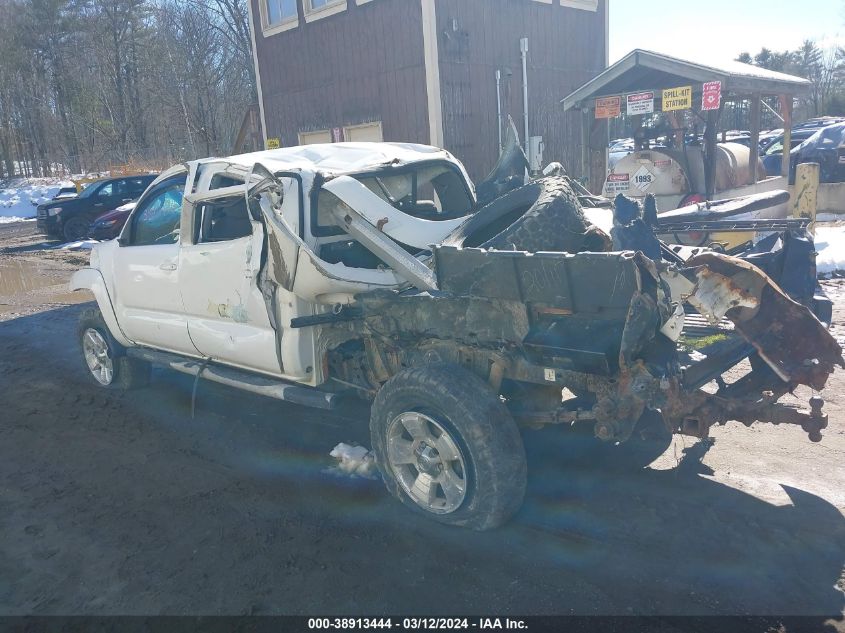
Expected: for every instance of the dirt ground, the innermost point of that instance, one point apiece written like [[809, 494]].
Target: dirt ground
[[122, 503]]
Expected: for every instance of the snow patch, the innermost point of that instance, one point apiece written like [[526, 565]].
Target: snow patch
[[354, 461], [830, 246], [83, 245], [20, 197], [8, 219]]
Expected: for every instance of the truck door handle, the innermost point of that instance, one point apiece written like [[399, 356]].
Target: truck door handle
[[168, 266]]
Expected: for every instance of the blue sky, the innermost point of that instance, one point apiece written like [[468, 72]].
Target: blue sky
[[715, 30]]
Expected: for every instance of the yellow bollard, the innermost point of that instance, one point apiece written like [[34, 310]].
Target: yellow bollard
[[805, 191]]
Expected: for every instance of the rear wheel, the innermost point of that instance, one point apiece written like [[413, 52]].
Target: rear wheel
[[447, 447], [105, 359]]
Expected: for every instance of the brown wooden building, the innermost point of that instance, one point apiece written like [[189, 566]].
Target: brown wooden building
[[425, 71]]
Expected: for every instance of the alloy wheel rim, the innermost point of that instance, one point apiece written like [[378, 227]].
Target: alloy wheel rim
[[427, 462], [97, 357]]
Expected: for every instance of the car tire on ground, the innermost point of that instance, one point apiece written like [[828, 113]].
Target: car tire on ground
[[105, 359], [447, 447], [76, 228]]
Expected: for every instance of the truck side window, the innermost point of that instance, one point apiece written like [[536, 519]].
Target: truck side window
[[221, 220], [157, 219]]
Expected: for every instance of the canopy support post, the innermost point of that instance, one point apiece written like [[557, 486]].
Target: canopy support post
[[786, 109], [710, 138], [755, 135]]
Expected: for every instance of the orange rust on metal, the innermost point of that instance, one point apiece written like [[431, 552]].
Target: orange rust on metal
[[786, 334], [555, 311]]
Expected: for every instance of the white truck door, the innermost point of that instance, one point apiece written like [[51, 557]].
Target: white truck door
[[147, 300], [227, 316]]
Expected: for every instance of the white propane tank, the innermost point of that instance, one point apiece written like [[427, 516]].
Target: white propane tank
[[733, 166], [651, 171], [671, 175]]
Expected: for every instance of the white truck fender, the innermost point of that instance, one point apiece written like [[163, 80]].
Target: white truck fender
[[92, 279]]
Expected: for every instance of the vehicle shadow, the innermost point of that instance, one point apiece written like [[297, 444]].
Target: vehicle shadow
[[30, 248], [236, 510], [710, 547]]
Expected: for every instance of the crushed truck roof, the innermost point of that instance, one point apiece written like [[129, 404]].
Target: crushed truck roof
[[340, 158]]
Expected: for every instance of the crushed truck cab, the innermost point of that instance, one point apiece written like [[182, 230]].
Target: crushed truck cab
[[310, 274]]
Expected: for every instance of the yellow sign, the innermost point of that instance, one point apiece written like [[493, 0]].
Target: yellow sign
[[608, 107], [273, 143], [677, 98]]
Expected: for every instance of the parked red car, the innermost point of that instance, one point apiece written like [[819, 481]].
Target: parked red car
[[108, 225]]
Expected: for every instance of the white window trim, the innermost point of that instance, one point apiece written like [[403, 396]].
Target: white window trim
[[322, 12], [306, 133], [360, 2], [268, 29], [545, 1], [348, 128], [586, 5]]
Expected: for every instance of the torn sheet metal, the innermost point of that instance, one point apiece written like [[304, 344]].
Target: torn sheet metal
[[402, 227], [792, 341], [292, 265], [405, 264]]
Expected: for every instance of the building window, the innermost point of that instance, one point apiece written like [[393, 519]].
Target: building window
[[277, 16], [319, 136], [316, 9], [587, 5], [366, 132], [279, 11]]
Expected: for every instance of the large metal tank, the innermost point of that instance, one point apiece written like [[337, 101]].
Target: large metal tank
[[672, 175]]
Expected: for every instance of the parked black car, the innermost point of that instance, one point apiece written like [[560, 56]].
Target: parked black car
[[69, 219], [827, 148]]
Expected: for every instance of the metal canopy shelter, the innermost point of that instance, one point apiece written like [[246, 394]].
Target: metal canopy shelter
[[642, 71]]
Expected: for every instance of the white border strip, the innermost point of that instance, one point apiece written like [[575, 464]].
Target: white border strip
[[252, 30], [432, 73]]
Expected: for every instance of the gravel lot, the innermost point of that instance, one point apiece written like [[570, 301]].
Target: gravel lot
[[121, 503]]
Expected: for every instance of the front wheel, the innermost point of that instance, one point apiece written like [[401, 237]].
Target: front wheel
[[447, 447], [76, 228]]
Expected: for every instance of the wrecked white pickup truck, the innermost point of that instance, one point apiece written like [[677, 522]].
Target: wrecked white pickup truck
[[310, 273]]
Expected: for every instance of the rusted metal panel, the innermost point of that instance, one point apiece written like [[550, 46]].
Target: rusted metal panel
[[792, 341], [586, 282]]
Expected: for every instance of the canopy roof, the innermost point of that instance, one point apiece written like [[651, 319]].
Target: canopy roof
[[642, 70]]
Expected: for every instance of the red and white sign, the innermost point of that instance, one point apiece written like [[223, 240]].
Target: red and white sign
[[641, 103], [711, 95], [617, 183]]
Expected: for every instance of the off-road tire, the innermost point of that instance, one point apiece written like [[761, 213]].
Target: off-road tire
[[483, 429], [544, 215], [76, 228], [128, 373]]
